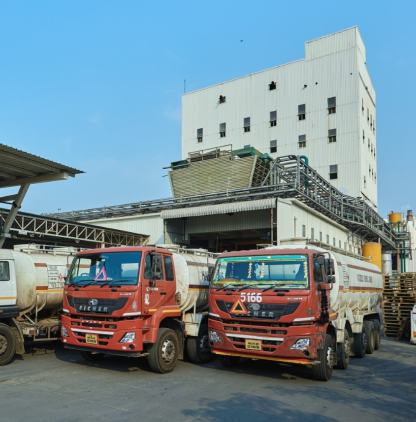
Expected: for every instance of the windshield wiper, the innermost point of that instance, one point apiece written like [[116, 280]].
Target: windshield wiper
[[281, 290], [111, 283], [87, 284], [268, 288], [244, 287], [227, 286]]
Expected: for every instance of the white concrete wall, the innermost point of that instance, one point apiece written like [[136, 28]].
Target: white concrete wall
[[332, 68]]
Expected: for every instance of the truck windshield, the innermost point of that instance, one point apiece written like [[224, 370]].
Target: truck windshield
[[99, 268], [288, 271]]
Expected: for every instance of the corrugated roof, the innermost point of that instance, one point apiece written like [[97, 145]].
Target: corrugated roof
[[16, 164], [260, 204]]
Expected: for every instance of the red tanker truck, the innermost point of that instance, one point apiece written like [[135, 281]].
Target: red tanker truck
[[295, 304], [138, 301]]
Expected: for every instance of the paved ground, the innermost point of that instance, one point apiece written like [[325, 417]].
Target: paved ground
[[54, 384]]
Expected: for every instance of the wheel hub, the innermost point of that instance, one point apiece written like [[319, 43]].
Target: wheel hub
[[204, 344], [168, 351], [330, 358], [3, 344]]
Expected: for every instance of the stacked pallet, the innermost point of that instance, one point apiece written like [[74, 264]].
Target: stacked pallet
[[399, 297]]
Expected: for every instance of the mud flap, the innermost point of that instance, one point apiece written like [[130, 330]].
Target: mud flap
[[20, 347]]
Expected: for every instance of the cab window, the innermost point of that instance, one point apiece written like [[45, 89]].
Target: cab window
[[4, 271], [317, 272], [148, 267], [168, 268]]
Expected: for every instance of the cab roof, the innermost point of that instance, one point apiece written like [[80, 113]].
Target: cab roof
[[125, 249]]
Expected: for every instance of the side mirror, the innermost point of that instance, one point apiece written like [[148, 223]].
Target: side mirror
[[320, 260], [329, 267]]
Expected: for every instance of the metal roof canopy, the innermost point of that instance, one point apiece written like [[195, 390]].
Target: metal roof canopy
[[48, 229], [19, 168]]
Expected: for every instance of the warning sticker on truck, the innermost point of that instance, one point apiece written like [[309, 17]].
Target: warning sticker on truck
[[56, 275]]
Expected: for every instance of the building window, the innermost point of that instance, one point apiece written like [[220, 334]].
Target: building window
[[369, 171], [371, 121], [332, 135], [333, 241], [332, 105], [340, 244], [294, 227], [333, 172], [302, 141], [272, 85], [363, 136], [199, 134], [320, 236], [303, 230], [364, 182], [273, 146], [246, 124], [362, 105], [371, 148], [247, 146], [369, 143], [368, 116], [312, 233], [222, 130], [327, 239], [375, 177], [345, 245], [222, 99], [374, 126], [302, 112], [273, 118], [374, 152]]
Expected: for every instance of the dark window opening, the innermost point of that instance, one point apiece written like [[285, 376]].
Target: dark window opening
[[222, 99], [273, 146], [332, 135], [272, 85], [4, 271], [333, 171], [302, 112], [273, 118], [246, 124], [332, 103], [199, 134], [168, 268], [222, 130], [302, 141], [149, 266]]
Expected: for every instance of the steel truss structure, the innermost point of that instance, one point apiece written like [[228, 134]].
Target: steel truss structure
[[31, 227], [289, 177]]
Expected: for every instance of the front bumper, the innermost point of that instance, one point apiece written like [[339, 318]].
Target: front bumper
[[273, 346], [109, 334]]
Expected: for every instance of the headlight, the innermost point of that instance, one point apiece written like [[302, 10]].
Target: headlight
[[301, 344], [64, 332], [213, 335], [128, 338]]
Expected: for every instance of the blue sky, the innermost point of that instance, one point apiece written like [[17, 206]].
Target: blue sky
[[97, 85]]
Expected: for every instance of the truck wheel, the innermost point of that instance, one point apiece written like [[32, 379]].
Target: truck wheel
[[230, 361], [377, 334], [343, 352], [370, 337], [323, 370], [92, 356], [164, 353], [7, 344], [359, 345], [198, 347]]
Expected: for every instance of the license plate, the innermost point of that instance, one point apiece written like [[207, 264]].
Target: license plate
[[91, 339], [253, 345]]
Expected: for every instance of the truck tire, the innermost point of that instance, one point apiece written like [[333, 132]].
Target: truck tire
[[163, 355], [91, 356], [370, 336], [323, 370], [377, 334], [343, 352], [229, 361], [198, 347], [7, 344], [359, 345]]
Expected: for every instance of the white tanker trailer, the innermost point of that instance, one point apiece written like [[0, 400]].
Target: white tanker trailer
[[31, 284]]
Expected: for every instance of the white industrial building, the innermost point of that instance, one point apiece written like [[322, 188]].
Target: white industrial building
[[322, 107]]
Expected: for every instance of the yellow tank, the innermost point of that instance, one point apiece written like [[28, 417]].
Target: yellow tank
[[373, 250], [395, 218]]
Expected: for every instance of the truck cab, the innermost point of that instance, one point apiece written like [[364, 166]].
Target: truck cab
[[136, 301], [273, 304]]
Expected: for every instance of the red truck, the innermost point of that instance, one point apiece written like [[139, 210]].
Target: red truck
[[138, 301], [295, 304]]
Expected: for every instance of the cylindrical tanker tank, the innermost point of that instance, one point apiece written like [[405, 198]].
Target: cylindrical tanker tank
[[192, 282], [39, 278], [373, 250], [395, 218]]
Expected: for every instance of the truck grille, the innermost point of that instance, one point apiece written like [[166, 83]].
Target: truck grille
[[268, 311], [100, 306]]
